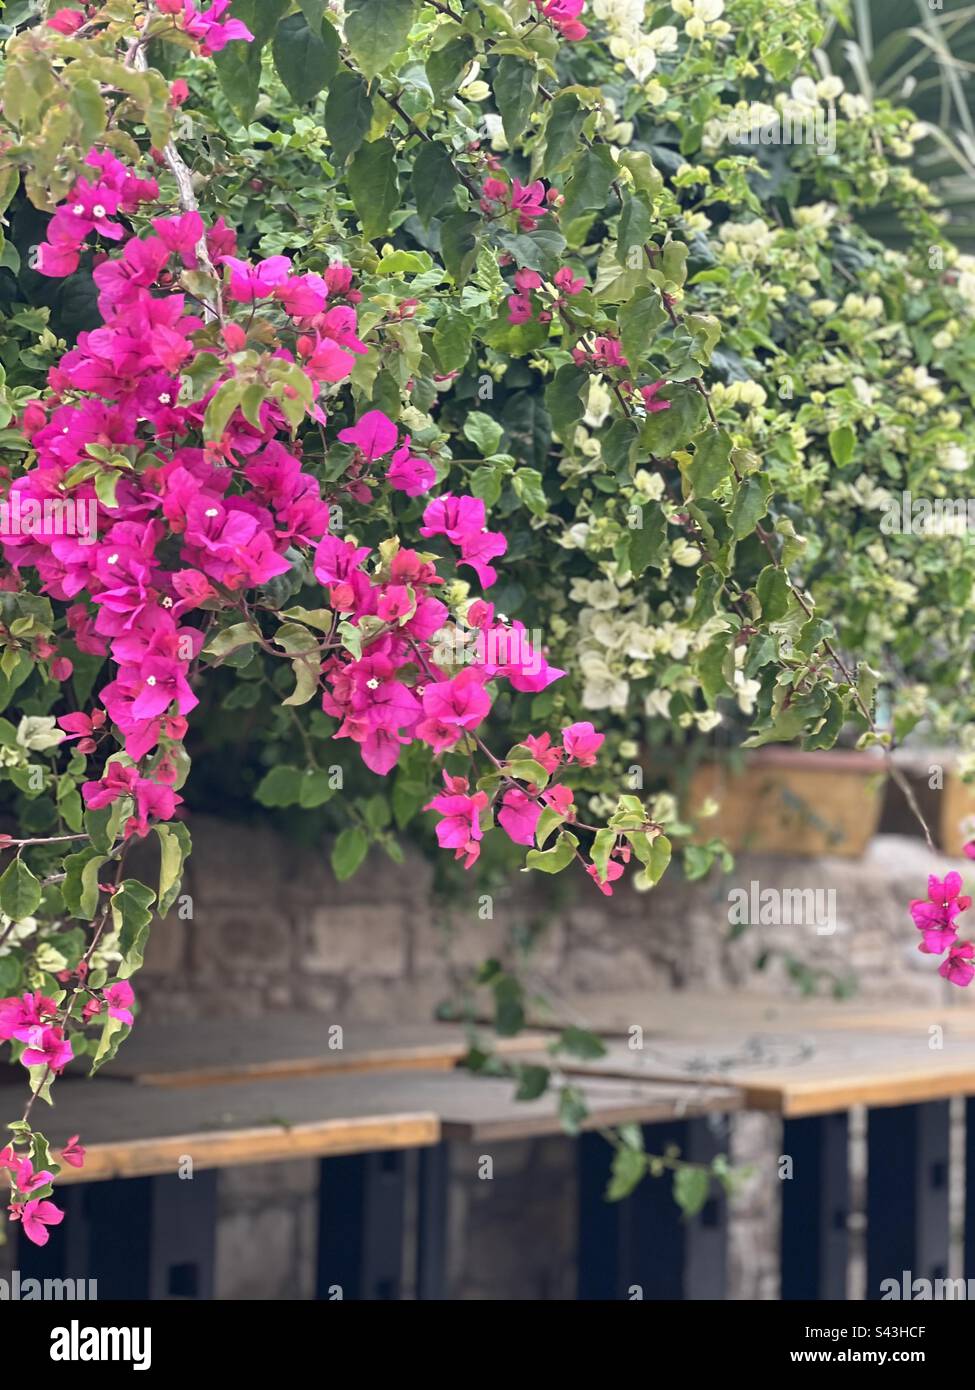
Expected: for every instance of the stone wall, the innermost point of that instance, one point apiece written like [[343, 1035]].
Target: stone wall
[[271, 929]]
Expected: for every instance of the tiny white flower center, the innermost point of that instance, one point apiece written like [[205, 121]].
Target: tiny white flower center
[[78, 209], [167, 602], [98, 210], [421, 690], [165, 398], [150, 680], [112, 560], [212, 511], [372, 683]]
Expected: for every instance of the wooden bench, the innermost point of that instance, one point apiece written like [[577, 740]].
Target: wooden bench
[[219, 1050], [797, 1059], [141, 1214]]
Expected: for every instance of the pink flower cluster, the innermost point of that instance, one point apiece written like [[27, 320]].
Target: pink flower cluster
[[526, 201], [92, 207], [522, 306], [518, 808], [564, 15], [207, 27], [934, 917]]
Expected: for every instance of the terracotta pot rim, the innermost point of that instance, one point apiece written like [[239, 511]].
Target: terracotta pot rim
[[831, 760]]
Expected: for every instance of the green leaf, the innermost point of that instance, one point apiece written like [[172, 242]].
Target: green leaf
[[231, 639], [842, 443], [434, 180], [553, 861], [515, 86], [563, 400], [532, 1082], [80, 887], [316, 788], [527, 484], [634, 229], [174, 847], [589, 185], [114, 1032], [579, 1042], [566, 118], [483, 432], [458, 244], [668, 430], [374, 186], [452, 338], [131, 915], [348, 852], [626, 1172], [446, 66], [348, 114], [750, 505], [774, 594], [691, 1188], [711, 463], [20, 891], [648, 541], [376, 30], [280, 787], [239, 64], [306, 56]]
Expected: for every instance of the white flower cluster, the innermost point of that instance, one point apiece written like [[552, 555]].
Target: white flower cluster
[[628, 42]]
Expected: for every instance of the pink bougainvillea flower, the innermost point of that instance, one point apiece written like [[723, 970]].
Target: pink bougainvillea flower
[[519, 815], [649, 394], [969, 850], [120, 997], [35, 1216], [249, 282], [520, 309], [614, 870], [19, 1014], [958, 965], [373, 435], [410, 474], [582, 743], [205, 25], [528, 201], [73, 1153], [543, 752], [460, 828], [66, 21], [47, 1047], [461, 701], [564, 14], [943, 904], [567, 283], [29, 1181]]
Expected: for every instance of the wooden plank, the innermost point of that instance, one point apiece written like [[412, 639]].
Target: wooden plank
[[131, 1131], [217, 1051], [701, 1014], [811, 1073], [480, 1110]]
